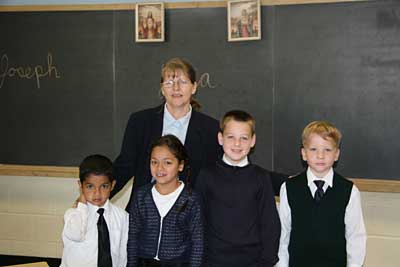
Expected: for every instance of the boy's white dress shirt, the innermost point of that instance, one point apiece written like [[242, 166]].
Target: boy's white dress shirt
[[80, 235], [242, 163], [355, 233]]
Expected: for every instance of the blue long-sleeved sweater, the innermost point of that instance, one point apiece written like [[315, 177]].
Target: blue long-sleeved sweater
[[181, 234]]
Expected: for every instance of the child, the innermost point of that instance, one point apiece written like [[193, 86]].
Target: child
[[321, 216], [95, 231], [165, 227], [242, 226]]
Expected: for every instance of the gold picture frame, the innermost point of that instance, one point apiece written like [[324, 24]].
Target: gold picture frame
[[244, 20], [149, 22]]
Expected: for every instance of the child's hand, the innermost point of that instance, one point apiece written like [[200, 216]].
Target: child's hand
[[81, 197]]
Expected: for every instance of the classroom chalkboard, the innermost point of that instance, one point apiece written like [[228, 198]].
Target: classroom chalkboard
[[340, 62], [73, 78]]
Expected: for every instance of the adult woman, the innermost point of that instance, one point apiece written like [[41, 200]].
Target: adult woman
[[178, 115]]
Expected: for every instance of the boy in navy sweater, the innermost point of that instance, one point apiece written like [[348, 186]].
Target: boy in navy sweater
[[321, 216], [242, 226]]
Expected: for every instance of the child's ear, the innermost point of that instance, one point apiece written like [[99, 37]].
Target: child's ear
[[220, 139], [253, 140], [181, 166], [337, 154], [303, 154], [113, 183]]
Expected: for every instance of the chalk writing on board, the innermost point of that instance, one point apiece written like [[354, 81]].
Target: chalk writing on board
[[27, 72], [204, 81]]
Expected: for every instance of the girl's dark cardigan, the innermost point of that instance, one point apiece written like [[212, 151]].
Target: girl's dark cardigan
[[181, 234]]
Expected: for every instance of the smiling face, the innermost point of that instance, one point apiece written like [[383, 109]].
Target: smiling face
[[320, 154], [177, 89], [164, 167], [97, 189], [236, 140]]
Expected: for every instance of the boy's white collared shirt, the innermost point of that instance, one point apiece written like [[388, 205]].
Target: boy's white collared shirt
[[80, 235], [242, 163], [355, 233], [328, 179]]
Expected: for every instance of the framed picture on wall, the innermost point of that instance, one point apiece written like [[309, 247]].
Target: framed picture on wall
[[149, 22], [244, 20]]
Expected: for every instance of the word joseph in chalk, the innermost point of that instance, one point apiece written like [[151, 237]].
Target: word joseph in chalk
[[27, 72]]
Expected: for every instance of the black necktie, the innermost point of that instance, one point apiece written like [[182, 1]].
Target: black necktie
[[104, 252], [320, 192]]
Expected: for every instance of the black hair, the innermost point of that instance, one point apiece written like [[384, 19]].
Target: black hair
[[177, 149], [97, 165]]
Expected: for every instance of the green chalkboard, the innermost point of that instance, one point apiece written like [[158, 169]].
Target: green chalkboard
[[69, 80]]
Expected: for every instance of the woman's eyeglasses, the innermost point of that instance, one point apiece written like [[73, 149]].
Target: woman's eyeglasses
[[179, 82]]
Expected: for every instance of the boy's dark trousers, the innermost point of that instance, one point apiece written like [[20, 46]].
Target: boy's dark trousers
[[156, 263]]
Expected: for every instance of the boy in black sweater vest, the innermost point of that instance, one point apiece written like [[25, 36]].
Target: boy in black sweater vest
[[242, 226], [320, 211]]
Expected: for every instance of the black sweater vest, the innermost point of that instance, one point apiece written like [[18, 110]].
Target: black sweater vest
[[317, 237]]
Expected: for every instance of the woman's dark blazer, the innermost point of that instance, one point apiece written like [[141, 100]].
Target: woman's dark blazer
[[144, 127]]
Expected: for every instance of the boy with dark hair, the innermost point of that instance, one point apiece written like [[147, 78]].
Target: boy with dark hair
[[320, 211], [96, 231], [242, 226]]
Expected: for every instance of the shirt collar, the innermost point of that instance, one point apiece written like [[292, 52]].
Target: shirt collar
[[169, 119], [328, 178], [242, 163], [94, 208], [179, 189]]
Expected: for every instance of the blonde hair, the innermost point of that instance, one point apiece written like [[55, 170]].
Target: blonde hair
[[239, 116], [325, 130], [177, 64]]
